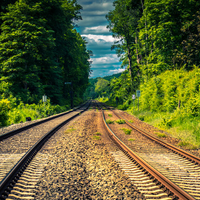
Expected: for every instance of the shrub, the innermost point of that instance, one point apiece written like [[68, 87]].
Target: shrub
[[97, 133], [109, 121], [5, 106], [141, 118], [127, 131], [161, 135], [121, 121], [96, 137]]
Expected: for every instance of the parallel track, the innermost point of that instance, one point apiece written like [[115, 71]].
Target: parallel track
[[168, 185], [7, 184], [19, 130]]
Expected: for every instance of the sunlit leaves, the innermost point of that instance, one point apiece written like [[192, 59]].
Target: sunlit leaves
[[40, 50]]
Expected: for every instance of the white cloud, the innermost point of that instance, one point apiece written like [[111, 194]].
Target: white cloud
[[116, 71], [99, 38], [109, 58], [96, 29], [98, 6]]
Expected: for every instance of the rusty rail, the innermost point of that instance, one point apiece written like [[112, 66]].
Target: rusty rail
[[178, 192]]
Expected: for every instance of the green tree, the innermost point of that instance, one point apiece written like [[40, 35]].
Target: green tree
[[25, 46], [162, 33], [123, 21], [40, 50], [101, 87]]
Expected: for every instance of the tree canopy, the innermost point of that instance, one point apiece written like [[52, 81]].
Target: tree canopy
[[40, 50], [155, 35]]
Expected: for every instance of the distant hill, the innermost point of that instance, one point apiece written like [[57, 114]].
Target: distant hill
[[90, 91], [108, 78]]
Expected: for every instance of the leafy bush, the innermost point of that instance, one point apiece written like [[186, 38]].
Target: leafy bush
[[96, 137], [141, 117], [97, 133], [121, 121], [5, 106], [11, 113], [127, 131], [109, 121], [161, 135]]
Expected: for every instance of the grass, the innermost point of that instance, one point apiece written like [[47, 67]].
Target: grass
[[126, 131], [187, 145], [97, 133], [96, 137], [121, 121], [161, 135], [131, 139], [109, 121], [183, 127], [110, 115], [69, 130], [131, 121]]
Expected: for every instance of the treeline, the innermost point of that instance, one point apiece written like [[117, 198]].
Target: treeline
[[159, 44], [40, 51], [98, 86], [155, 36]]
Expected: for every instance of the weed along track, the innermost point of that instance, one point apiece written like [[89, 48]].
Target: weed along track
[[80, 161], [174, 169]]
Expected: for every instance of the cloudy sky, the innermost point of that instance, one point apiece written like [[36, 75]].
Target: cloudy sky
[[93, 27]]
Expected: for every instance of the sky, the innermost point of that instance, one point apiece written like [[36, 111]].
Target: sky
[[93, 28]]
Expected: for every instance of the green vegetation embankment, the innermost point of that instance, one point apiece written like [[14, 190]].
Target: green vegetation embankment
[[169, 101]]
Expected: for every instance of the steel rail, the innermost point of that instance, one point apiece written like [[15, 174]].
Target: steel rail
[[176, 150], [178, 192], [11, 178], [16, 131]]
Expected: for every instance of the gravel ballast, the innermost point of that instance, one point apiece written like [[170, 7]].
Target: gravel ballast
[[82, 167]]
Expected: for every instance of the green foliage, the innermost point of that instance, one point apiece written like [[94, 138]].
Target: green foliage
[[12, 112], [101, 87], [126, 131], [131, 139], [161, 135], [121, 121], [5, 106], [109, 121], [90, 91], [172, 90], [159, 45], [40, 50], [96, 137], [69, 130], [97, 133]]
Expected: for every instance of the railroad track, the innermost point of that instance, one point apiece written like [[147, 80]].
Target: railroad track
[[23, 162], [8, 134], [159, 170]]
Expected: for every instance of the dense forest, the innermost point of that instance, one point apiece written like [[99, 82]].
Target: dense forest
[[41, 51], [159, 44], [98, 86]]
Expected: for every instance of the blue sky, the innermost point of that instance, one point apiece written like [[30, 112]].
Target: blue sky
[[93, 27]]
